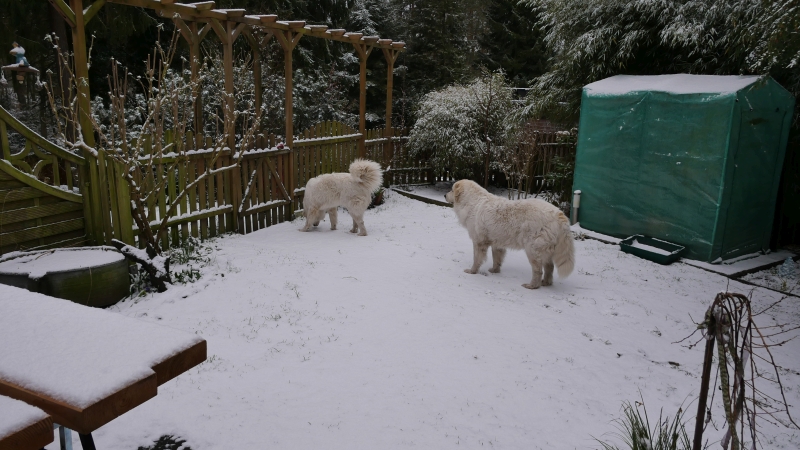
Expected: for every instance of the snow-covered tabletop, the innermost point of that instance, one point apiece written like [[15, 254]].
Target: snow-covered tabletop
[[85, 366], [22, 426]]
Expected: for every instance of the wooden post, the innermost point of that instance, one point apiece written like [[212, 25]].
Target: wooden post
[[363, 51], [391, 56], [288, 41], [228, 32], [255, 45], [82, 73]]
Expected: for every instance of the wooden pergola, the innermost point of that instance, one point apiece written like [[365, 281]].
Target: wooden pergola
[[196, 20]]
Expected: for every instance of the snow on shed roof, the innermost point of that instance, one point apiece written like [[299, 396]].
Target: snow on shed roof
[[681, 83]]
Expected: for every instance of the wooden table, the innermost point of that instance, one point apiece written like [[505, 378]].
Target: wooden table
[[85, 366], [22, 426]]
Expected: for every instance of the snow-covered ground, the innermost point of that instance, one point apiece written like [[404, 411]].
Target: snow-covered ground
[[326, 340]]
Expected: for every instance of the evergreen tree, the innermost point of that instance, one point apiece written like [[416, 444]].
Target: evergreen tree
[[512, 42]]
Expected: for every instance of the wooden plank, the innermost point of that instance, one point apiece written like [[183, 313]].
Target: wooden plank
[[192, 173], [202, 197], [180, 363], [25, 193], [113, 196], [171, 195], [42, 231], [176, 221], [15, 173], [220, 198], [184, 202], [162, 203], [36, 212], [36, 138], [263, 194], [33, 436]]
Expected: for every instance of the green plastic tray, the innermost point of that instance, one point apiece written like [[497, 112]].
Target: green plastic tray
[[652, 249]]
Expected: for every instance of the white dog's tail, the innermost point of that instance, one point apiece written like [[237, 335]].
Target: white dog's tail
[[367, 172], [564, 256]]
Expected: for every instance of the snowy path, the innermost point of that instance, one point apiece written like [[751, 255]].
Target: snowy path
[[325, 340]]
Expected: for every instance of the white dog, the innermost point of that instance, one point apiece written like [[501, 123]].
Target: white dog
[[353, 190], [533, 225]]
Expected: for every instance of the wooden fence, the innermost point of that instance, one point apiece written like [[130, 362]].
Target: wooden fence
[[86, 198], [41, 191]]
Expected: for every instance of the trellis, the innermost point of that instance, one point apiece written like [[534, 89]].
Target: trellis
[[195, 21]]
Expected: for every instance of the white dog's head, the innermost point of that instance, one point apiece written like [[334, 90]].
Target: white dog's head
[[462, 189]]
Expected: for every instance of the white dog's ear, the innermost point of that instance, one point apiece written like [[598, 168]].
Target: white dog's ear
[[458, 189]]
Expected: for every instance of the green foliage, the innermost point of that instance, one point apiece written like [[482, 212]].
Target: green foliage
[[590, 40], [167, 442], [513, 42], [636, 433], [559, 182], [460, 126], [186, 262]]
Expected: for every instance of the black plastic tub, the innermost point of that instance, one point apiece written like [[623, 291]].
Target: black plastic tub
[[652, 249], [93, 276]]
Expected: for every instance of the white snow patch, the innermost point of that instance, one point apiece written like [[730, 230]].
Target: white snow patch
[[39, 264], [74, 353], [330, 340], [16, 415], [676, 84]]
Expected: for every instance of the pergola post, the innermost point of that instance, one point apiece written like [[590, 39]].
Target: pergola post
[[228, 31], [363, 51], [193, 37], [391, 56], [288, 40], [81, 61], [76, 18], [255, 46]]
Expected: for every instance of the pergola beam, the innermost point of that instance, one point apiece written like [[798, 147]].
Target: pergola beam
[[92, 10], [64, 11], [204, 11]]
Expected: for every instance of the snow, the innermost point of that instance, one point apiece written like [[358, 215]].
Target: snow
[[40, 263], [16, 415], [741, 265], [74, 353], [329, 340], [676, 84], [649, 248]]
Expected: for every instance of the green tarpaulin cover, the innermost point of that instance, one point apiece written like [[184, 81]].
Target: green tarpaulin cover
[[690, 159]]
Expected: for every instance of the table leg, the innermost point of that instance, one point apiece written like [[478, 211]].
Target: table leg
[[65, 437], [86, 441]]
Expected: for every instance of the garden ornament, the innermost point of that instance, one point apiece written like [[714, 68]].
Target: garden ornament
[[19, 53]]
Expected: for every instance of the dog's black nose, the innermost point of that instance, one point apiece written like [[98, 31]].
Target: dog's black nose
[[445, 196]]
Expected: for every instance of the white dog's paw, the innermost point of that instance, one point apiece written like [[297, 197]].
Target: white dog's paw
[[530, 286], [493, 270], [333, 227], [547, 282], [470, 271], [362, 234]]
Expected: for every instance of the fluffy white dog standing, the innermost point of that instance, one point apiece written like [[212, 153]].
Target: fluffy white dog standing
[[533, 225], [353, 190]]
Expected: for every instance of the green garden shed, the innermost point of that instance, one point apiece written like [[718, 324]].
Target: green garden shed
[[690, 159]]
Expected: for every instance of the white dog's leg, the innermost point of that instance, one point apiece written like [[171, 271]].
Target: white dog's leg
[[334, 216], [547, 280], [479, 255], [311, 215], [536, 267], [318, 218], [358, 223], [498, 254]]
